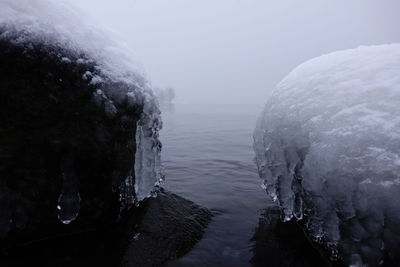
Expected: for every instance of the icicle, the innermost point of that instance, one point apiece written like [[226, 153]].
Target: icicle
[[68, 205], [148, 168]]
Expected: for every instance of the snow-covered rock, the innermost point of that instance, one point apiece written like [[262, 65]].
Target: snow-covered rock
[[328, 150], [79, 122]]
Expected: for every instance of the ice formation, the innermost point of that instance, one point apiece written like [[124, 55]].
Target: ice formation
[[148, 167], [328, 151], [117, 81]]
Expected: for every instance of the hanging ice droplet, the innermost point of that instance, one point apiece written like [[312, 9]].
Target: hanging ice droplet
[[136, 236], [68, 207]]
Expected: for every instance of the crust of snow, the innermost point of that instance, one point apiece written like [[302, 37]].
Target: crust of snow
[[328, 149]]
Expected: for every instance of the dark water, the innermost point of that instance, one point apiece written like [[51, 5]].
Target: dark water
[[208, 158]]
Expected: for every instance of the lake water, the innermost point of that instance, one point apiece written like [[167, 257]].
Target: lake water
[[208, 158]]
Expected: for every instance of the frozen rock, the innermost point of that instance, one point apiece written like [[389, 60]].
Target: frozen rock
[[328, 151], [77, 119]]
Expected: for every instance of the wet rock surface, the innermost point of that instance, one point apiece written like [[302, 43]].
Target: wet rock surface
[[284, 244], [169, 228], [159, 230]]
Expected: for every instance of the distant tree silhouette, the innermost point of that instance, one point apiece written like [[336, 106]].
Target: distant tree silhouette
[[165, 96]]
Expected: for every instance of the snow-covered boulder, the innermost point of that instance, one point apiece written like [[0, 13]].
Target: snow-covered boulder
[[328, 150], [79, 123]]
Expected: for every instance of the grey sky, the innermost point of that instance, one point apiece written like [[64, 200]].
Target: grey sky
[[235, 51]]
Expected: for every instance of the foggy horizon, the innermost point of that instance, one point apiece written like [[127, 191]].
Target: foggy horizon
[[232, 52]]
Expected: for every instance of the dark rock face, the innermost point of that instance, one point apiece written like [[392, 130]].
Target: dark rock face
[[159, 230], [284, 244], [64, 149], [167, 229]]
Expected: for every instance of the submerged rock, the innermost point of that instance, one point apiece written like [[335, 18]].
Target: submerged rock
[[167, 229]]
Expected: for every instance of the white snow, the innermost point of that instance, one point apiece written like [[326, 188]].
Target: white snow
[[118, 76], [61, 23], [328, 149]]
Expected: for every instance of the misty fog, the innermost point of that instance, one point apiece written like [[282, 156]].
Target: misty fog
[[236, 51]]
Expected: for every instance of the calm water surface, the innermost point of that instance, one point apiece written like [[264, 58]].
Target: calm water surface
[[208, 158]]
